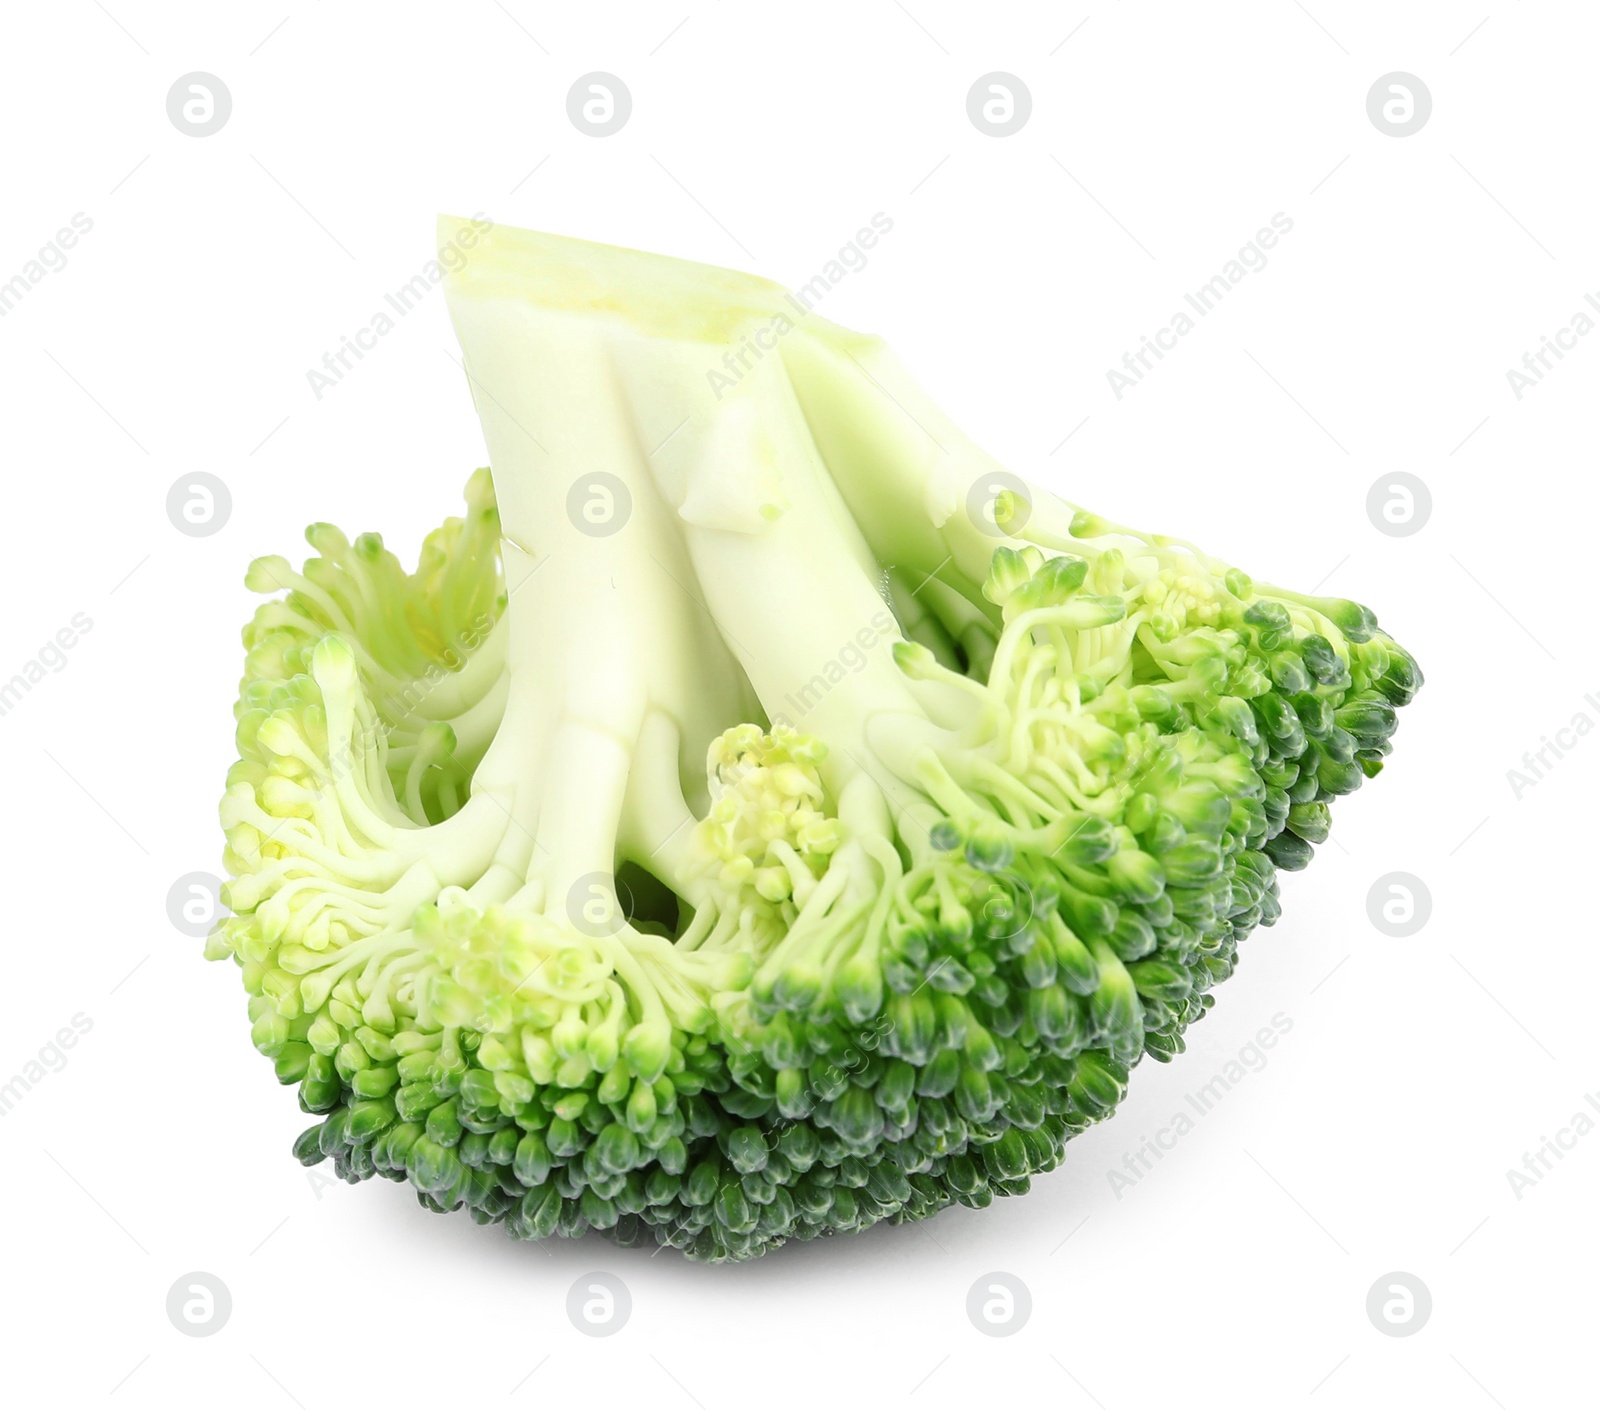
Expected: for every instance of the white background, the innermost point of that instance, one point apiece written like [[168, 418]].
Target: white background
[[1419, 270]]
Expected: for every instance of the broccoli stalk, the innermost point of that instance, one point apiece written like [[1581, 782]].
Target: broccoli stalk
[[727, 834]]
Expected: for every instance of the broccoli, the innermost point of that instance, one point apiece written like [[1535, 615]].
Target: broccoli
[[759, 816]]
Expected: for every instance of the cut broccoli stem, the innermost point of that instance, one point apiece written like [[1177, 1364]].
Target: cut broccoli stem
[[942, 800], [785, 588]]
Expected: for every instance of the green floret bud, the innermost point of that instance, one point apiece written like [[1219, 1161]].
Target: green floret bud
[[1087, 839], [1135, 876], [1356, 622], [1267, 615], [916, 660], [1289, 852], [1279, 719], [1192, 862], [799, 1146], [673, 1155], [1156, 979], [1367, 720], [1098, 1083], [1132, 938], [532, 1160], [616, 1149], [951, 977], [791, 1094], [1401, 677], [747, 1149], [913, 1028], [798, 987], [1200, 807], [1321, 660], [1156, 705], [1289, 673], [433, 1167], [1053, 584], [1075, 965], [1338, 776], [1059, 1018], [1236, 715], [988, 850], [854, 1116], [1062, 576], [939, 1077], [1008, 571], [1114, 1013], [975, 1096], [1310, 821], [368, 1118], [308, 1146], [897, 1085], [981, 1051]]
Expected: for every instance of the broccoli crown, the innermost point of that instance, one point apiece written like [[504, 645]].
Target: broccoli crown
[[586, 881]]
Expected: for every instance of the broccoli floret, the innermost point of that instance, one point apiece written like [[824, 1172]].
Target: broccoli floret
[[760, 816]]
